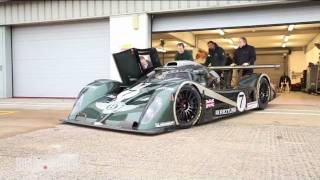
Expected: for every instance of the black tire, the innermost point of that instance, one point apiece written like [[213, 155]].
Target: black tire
[[188, 107], [263, 93]]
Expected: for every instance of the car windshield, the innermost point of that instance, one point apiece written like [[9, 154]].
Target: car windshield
[[181, 75], [165, 74]]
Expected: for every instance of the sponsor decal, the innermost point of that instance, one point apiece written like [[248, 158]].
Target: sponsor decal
[[252, 105], [162, 124], [225, 111], [241, 102], [112, 107], [209, 103]]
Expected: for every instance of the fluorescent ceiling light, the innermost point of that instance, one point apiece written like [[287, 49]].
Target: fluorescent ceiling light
[[286, 38], [221, 32], [284, 45], [291, 27]]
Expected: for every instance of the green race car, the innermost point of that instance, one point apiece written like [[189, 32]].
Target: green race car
[[152, 98]]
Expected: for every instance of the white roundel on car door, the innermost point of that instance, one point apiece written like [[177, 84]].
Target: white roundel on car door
[[241, 102]]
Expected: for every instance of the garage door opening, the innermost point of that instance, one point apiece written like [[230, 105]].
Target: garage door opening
[[291, 46]]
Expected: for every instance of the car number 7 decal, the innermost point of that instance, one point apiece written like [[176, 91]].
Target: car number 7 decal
[[241, 102]]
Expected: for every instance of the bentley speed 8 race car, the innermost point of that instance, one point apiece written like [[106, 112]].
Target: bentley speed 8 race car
[[152, 98]]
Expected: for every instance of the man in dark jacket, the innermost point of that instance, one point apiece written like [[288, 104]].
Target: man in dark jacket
[[215, 58], [182, 54], [215, 55], [245, 55]]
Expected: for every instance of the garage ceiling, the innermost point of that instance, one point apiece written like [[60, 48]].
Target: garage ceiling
[[260, 37]]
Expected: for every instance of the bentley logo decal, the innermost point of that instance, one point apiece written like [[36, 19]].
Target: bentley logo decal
[[112, 106]]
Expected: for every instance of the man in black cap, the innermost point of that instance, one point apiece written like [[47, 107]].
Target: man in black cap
[[245, 55]]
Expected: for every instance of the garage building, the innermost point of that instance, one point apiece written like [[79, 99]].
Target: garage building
[[53, 48]]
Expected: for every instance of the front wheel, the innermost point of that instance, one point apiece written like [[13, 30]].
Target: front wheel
[[187, 107], [263, 93]]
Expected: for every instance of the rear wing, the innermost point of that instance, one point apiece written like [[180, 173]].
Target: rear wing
[[261, 66]]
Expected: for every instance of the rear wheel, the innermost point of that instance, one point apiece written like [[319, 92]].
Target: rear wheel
[[188, 107], [263, 93]]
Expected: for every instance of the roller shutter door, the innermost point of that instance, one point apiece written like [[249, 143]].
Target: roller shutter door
[[58, 60]]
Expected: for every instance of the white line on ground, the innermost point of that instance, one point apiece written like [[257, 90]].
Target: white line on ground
[[287, 113], [36, 105], [294, 110], [27, 103]]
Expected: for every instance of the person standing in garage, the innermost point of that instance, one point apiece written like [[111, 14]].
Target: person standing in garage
[[215, 55], [245, 55], [215, 58], [182, 54]]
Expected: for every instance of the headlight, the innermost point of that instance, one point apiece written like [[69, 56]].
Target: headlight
[[77, 105], [152, 110]]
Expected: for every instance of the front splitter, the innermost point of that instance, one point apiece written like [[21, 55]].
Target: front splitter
[[154, 131]]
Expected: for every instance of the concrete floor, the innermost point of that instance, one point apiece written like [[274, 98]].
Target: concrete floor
[[24, 115], [281, 142], [17, 121]]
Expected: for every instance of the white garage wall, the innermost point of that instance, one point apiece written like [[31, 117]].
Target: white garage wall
[[313, 55], [58, 60], [5, 62], [128, 31], [312, 52], [297, 63], [267, 15]]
